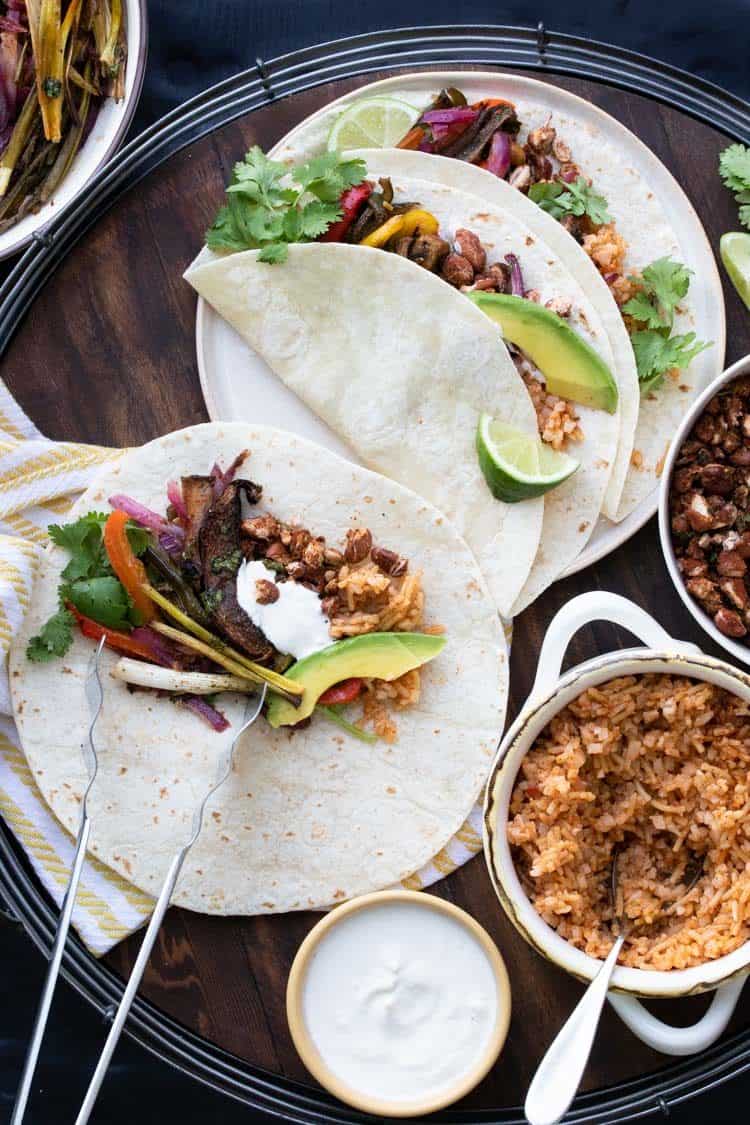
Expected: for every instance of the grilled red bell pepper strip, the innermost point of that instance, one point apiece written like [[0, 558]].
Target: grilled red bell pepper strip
[[351, 203], [121, 642], [345, 692], [129, 569]]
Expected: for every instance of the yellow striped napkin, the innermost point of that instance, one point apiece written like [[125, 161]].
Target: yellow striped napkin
[[39, 480]]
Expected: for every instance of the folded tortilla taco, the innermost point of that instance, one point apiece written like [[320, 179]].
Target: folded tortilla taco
[[269, 560], [526, 146], [360, 336]]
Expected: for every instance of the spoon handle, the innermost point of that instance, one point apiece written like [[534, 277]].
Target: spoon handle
[[560, 1072]]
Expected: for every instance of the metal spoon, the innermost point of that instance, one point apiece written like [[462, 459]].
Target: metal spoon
[[559, 1074]]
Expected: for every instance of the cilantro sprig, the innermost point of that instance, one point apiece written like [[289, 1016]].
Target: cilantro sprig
[[578, 198], [87, 582], [270, 205], [734, 169], [661, 288]]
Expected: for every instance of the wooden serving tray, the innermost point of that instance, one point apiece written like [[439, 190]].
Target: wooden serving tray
[[106, 354]]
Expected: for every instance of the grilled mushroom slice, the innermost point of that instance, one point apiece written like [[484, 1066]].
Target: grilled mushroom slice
[[197, 496], [220, 556]]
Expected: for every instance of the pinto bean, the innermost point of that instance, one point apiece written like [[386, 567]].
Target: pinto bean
[[471, 248], [457, 270]]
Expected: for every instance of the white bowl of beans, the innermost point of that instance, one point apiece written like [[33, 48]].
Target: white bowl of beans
[[704, 510]]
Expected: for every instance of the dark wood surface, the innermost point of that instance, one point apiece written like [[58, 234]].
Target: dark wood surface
[[107, 355]]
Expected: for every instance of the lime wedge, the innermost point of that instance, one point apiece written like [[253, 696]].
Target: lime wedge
[[735, 254], [516, 466], [372, 123]]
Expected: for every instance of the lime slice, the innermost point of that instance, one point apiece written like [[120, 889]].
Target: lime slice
[[372, 123], [735, 254], [516, 466]]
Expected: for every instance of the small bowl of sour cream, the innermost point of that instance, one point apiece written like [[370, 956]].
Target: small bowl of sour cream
[[398, 1003]]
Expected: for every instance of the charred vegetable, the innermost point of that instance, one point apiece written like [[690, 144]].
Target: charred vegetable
[[220, 557], [59, 60]]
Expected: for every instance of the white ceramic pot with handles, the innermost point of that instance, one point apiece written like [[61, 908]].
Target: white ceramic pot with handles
[[551, 692]]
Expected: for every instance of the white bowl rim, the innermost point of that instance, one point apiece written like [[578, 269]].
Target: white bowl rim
[[650, 983], [739, 651], [17, 237]]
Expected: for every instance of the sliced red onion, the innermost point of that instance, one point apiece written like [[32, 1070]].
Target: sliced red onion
[[498, 160], [610, 277], [199, 706], [426, 145], [224, 477], [174, 495], [160, 649], [172, 543], [143, 515], [517, 286], [568, 177], [454, 116]]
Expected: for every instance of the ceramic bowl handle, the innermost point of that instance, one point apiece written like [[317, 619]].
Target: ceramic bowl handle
[[597, 605], [680, 1040]]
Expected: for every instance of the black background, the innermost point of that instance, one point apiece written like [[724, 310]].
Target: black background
[[194, 43]]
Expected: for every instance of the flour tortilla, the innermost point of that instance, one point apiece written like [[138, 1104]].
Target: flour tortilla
[[399, 364], [564, 250], [369, 368], [305, 820], [650, 209]]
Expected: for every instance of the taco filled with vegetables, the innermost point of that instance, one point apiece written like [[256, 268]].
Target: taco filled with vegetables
[[221, 558], [373, 323], [553, 161]]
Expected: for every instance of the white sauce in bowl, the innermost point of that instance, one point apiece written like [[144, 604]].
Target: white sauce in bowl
[[400, 1000], [295, 623]]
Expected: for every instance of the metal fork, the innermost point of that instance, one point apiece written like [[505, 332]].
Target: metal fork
[[94, 698], [252, 710]]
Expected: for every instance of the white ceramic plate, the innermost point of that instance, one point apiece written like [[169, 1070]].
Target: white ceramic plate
[[238, 385], [109, 129]]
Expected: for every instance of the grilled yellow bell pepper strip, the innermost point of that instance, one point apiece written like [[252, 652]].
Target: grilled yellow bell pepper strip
[[409, 222]]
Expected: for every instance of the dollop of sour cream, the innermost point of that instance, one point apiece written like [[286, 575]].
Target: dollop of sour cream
[[400, 1000], [294, 623]]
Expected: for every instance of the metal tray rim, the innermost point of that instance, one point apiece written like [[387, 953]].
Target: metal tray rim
[[493, 45]]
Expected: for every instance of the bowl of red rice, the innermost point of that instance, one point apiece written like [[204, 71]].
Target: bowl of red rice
[[642, 754]]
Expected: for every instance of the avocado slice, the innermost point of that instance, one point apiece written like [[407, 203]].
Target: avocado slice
[[382, 656], [571, 367]]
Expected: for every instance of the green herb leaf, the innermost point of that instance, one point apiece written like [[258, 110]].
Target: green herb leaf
[[578, 198], [316, 218], [102, 599], [641, 309], [262, 214], [54, 639], [666, 283], [657, 353], [84, 541], [583, 200], [224, 234], [734, 167], [274, 252], [547, 195]]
